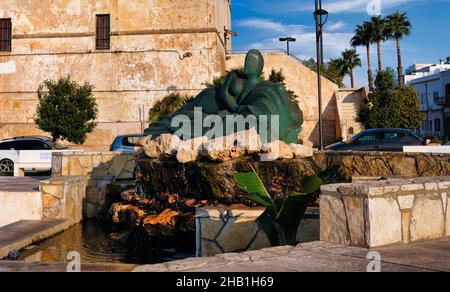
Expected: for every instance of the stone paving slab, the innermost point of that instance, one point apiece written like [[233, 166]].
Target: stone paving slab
[[20, 184], [429, 256], [15, 266], [21, 234]]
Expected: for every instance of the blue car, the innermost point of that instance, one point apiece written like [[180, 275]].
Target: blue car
[[126, 143]]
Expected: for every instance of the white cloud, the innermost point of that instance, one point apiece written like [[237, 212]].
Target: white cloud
[[305, 46], [354, 6], [264, 24], [333, 26]]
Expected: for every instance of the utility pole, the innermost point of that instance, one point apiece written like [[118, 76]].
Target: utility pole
[[319, 13]]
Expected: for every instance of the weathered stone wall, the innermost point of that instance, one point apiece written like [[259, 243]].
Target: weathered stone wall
[[97, 165], [228, 229], [148, 39], [386, 164], [373, 214], [215, 181], [16, 206], [104, 171], [225, 230], [64, 198], [348, 102]]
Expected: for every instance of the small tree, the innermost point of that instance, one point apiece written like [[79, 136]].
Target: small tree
[[391, 106], [66, 110]]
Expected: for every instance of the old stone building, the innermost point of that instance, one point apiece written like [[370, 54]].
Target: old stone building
[[134, 52]]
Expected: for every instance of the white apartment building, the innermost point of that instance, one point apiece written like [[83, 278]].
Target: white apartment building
[[433, 85], [421, 70]]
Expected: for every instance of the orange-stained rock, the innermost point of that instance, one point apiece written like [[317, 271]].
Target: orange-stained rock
[[167, 217]]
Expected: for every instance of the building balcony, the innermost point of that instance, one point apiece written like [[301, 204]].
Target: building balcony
[[442, 101]]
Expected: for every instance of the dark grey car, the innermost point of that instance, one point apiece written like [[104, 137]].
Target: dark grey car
[[379, 140]]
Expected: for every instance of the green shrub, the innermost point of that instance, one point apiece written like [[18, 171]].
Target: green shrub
[[168, 105], [66, 110]]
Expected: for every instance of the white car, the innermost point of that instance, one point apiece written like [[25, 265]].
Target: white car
[[9, 150]]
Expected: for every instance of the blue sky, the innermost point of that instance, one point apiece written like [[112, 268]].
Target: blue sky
[[261, 22]]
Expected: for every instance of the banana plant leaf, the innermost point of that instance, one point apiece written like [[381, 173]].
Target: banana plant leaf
[[270, 228], [290, 217], [252, 184], [311, 184]]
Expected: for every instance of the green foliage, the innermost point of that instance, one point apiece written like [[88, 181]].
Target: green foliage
[[391, 106], [350, 60], [331, 69], [282, 218], [66, 110], [168, 105], [379, 29], [397, 25]]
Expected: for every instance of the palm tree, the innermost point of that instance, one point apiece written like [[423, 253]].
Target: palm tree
[[379, 34], [398, 26], [350, 60], [363, 37]]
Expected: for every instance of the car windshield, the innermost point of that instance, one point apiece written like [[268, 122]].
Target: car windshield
[[356, 137]]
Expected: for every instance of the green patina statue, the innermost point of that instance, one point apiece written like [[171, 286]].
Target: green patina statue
[[243, 94]]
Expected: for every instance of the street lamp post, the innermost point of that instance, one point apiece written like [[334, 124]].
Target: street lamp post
[[288, 40], [319, 15]]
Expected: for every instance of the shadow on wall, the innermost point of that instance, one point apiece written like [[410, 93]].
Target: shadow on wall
[[108, 173], [329, 125]]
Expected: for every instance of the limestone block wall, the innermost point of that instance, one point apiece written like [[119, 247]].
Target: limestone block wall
[[145, 62], [64, 198], [98, 165], [396, 211], [101, 169], [16, 206], [385, 164], [226, 230]]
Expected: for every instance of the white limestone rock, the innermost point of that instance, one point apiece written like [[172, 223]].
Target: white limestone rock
[[164, 146], [277, 150], [301, 151], [222, 149]]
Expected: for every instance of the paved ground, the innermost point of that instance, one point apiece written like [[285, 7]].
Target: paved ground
[[10, 266], [430, 256], [20, 184], [24, 233]]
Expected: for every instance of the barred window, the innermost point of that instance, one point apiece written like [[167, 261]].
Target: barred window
[[5, 34], [103, 39]]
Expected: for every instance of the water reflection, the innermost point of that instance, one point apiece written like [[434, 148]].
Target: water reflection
[[95, 244]]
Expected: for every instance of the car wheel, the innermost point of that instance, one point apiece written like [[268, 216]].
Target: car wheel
[[6, 165]]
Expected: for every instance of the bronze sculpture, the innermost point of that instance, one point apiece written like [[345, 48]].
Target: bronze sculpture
[[245, 94]]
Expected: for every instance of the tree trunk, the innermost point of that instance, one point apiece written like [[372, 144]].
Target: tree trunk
[[401, 80], [380, 66], [352, 78], [369, 71]]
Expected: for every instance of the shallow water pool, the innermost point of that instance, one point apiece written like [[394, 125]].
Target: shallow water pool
[[94, 242]]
